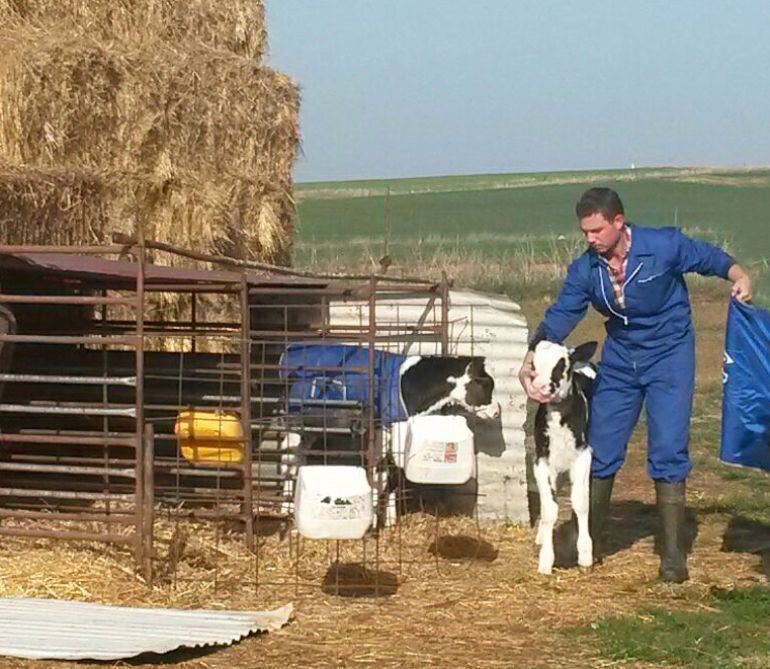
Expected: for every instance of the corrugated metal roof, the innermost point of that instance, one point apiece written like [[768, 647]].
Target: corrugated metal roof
[[68, 630], [122, 272]]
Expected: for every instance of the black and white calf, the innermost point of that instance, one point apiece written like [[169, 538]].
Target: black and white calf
[[443, 384], [437, 384], [561, 443]]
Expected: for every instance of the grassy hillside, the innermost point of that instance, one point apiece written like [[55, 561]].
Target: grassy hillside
[[504, 218]]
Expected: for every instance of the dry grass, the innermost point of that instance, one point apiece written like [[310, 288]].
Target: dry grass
[[236, 25], [445, 594]]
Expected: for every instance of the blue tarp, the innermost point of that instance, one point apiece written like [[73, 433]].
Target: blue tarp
[[746, 392], [346, 378]]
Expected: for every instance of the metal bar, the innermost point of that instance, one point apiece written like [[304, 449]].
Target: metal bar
[[311, 368], [201, 493], [65, 494], [67, 460], [63, 299], [246, 413], [79, 380], [272, 335], [63, 439], [291, 290], [67, 536], [389, 327], [113, 518], [148, 502], [141, 444], [370, 409], [62, 339], [14, 249], [65, 411], [214, 334], [154, 287], [65, 469], [216, 471], [79, 433], [250, 264], [194, 319], [308, 428], [194, 325], [444, 314], [221, 439], [293, 401]]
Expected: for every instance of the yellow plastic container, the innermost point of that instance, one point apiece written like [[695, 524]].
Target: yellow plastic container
[[207, 436]]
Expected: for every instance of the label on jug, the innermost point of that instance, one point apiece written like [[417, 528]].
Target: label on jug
[[347, 507]]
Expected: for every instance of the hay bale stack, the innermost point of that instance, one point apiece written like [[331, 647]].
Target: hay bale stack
[[52, 206], [191, 143], [73, 101], [237, 26]]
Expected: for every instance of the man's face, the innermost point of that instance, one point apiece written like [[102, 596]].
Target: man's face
[[602, 234]]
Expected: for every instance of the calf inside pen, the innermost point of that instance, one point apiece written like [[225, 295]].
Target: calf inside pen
[[561, 441]]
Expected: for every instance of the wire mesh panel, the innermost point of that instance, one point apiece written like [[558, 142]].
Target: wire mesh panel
[[140, 401], [73, 450]]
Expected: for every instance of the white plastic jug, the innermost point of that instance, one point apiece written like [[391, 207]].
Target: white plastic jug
[[332, 502], [439, 449]]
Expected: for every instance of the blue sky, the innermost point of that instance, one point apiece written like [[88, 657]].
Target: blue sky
[[396, 88]]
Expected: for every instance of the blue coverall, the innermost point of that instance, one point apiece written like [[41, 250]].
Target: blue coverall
[[649, 352]]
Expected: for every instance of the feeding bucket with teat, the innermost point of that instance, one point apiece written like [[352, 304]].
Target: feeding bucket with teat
[[439, 449], [332, 502]]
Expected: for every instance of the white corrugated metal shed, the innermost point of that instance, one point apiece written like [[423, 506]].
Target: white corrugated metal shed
[[492, 326], [68, 630]]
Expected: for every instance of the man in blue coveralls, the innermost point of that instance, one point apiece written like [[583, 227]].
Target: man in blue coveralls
[[634, 277]]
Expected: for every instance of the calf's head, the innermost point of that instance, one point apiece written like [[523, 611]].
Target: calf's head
[[437, 383], [554, 365], [474, 388]]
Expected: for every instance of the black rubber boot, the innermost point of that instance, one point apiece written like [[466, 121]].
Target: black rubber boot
[[600, 494], [671, 511], [566, 535]]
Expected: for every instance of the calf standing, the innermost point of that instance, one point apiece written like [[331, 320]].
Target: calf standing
[[561, 444]]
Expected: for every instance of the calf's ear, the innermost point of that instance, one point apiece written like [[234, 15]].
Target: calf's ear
[[475, 368], [584, 352]]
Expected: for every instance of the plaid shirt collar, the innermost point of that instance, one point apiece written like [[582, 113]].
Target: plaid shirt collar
[[616, 277]]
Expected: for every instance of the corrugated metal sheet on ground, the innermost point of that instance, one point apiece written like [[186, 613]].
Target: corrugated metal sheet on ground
[[67, 630]]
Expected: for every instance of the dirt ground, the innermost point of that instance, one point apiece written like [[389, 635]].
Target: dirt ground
[[450, 592]]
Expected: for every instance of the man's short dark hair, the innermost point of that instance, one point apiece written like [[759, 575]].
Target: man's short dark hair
[[604, 201]]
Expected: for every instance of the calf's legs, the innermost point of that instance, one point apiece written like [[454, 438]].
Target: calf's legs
[[549, 512], [580, 475]]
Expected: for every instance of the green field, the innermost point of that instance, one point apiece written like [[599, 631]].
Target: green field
[[504, 216]]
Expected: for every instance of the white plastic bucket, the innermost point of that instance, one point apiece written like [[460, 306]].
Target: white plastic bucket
[[332, 502], [439, 449]]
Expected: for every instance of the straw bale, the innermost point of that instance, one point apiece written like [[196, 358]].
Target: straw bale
[[237, 26], [229, 215], [52, 206], [68, 100]]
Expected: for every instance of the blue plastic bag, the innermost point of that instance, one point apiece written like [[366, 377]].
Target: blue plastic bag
[[345, 377], [746, 390]]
